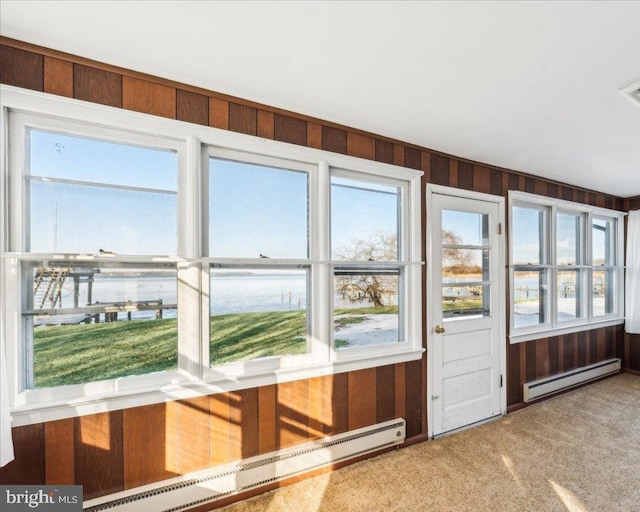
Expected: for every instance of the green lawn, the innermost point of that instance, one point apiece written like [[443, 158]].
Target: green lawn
[[73, 354]]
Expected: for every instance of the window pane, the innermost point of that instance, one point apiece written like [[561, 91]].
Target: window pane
[[91, 324], [465, 301], [365, 308], [568, 239], [527, 236], [257, 211], [464, 228], [257, 313], [460, 265], [121, 199], [364, 221], [569, 295], [602, 241], [603, 292], [69, 157], [529, 297], [67, 218]]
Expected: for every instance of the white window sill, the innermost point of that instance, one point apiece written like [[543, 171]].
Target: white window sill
[[558, 331], [57, 410]]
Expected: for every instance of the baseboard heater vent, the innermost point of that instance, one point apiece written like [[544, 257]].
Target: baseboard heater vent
[[199, 488], [549, 385]]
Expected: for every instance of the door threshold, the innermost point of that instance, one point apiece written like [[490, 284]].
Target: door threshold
[[467, 427]]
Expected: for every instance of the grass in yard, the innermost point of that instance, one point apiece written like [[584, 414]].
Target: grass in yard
[[244, 336], [75, 354], [461, 304]]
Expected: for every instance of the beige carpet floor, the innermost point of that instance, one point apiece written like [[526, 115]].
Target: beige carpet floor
[[577, 452]]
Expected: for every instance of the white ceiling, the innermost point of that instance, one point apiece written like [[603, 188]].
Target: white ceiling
[[530, 86]]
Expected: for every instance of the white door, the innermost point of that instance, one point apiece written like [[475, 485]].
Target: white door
[[466, 309]]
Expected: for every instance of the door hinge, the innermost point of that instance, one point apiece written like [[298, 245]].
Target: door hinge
[[501, 379], [499, 228]]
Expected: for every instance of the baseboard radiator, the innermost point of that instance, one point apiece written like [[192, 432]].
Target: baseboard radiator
[[199, 488], [550, 385]]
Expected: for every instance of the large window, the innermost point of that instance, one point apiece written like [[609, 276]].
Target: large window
[[143, 258], [566, 267]]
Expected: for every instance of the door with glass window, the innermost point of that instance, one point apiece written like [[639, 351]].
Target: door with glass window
[[466, 311]]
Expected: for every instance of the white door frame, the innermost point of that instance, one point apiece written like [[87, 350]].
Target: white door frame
[[502, 303]]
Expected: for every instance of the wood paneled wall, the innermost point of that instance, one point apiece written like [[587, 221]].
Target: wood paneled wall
[[631, 360], [123, 449], [119, 450]]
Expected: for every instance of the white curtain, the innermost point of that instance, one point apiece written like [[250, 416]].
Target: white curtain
[[6, 442], [632, 285]]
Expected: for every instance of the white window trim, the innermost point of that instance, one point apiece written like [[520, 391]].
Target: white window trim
[[194, 377], [588, 322]]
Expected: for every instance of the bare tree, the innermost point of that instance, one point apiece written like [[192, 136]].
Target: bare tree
[[456, 260], [370, 287]]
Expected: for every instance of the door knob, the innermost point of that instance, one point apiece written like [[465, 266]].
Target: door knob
[[439, 329]]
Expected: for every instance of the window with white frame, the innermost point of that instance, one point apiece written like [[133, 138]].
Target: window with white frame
[[566, 266], [143, 257]]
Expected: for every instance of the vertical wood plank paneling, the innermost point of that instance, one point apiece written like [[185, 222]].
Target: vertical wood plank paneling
[[412, 158], [235, 426], [219, 113], [384, 151], [530, 350], [439, 170], [579, 196], [386, 389], [413, 398], [496, 182], [219, 428], [465, 175], [362, 398], [28, 466], [568, 194], [193, 433], [515, 182], [58, 77], [482, 179], [582, 349], [337, 419], [552, 190], [334, 139], [192, 107], [291, 130], [514, 386], [292, 412], [99, 453], [425, 160], [149, 98], [319, 406], [266, 124], [600, 344], [593, 347], [453, 172], [314, 135], [529, 185], [400, 390], [554, 356], [97, 86], [59, 456], [249, 422], [398, 155], [634, 352], [361, 146], [243, 119], [568, 342], [147, 449], [542, 357], [21, 68], [267, 418]]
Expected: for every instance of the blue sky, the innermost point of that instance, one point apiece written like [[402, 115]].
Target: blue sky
[[84, 219]]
